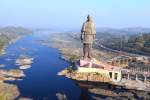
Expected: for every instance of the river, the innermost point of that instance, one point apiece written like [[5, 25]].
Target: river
[[41, 81]]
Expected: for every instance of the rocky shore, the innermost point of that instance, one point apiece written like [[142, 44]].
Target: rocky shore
[[11, 75], [2, 51], [91, 77], [8, 91]]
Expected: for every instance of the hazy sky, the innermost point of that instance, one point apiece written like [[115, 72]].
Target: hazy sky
[[72, 13]]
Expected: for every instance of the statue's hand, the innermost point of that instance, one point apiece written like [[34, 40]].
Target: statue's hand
[[81, 38]]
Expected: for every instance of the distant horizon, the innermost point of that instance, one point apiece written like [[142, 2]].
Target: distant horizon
[[73, 27], [59, 28]]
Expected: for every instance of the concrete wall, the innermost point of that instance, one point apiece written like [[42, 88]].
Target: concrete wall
[[102, 71]]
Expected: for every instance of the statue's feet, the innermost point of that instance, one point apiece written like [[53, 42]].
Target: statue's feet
[[85, 58], [89, 57]]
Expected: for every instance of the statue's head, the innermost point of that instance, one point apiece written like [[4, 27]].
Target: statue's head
[[89, 18]]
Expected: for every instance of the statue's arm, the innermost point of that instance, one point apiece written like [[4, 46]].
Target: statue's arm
[[82, 35], [94, 35], [82, 31]]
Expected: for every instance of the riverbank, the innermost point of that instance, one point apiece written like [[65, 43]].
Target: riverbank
[[70, 47], [9, 36], [8, 91], [2, 50]]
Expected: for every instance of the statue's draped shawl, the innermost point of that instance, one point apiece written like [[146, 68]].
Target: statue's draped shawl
[[88, 30]]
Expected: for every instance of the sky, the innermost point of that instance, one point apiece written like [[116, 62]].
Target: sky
[[69, 14]]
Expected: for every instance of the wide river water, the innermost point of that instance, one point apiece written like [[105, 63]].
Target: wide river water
[[41, 81]]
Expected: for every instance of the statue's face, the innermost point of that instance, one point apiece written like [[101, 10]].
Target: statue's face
[[89, 18]]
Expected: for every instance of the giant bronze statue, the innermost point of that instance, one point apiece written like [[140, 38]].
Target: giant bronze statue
[[88, 33]]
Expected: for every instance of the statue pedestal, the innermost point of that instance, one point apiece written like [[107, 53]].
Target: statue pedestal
[[93, 63], [86, 62]]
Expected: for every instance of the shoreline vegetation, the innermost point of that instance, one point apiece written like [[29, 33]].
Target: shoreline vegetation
[[9, 35]]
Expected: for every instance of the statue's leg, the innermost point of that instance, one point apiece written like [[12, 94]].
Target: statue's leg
[[85, 50], [89, 50]]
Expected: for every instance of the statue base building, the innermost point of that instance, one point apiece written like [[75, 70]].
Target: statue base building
[[95, 66]]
